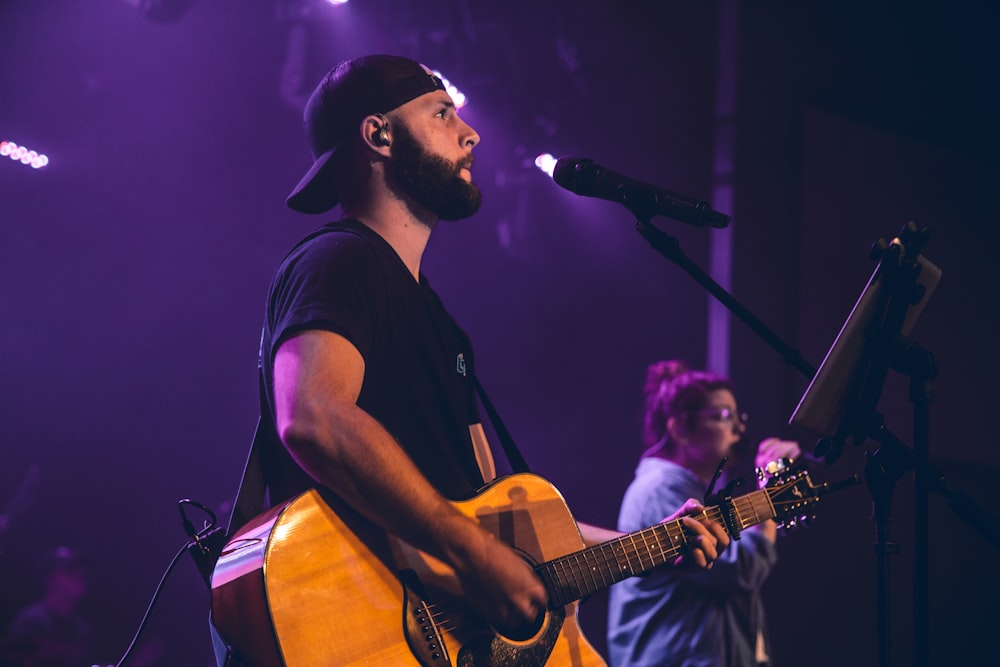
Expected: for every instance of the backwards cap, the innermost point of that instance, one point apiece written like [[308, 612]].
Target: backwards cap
[[349, 92]]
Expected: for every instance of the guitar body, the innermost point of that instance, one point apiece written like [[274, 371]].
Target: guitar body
[[312, 584]]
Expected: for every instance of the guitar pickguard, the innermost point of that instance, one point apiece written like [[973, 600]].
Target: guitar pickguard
[[496, 651], [482, 647]]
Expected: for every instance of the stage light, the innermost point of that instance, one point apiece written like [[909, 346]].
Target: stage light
[[23, 154], [162, 10], [457, 96], [546, 162], [337, 2]]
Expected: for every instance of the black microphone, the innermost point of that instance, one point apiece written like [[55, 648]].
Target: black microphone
[[587, 178]]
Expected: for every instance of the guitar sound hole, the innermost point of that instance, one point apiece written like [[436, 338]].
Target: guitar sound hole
[[524, 631]]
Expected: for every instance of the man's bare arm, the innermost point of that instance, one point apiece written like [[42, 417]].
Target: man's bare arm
[[317, 380]]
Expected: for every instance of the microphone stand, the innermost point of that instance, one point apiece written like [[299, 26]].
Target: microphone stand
[[893, 458], [670, 247]]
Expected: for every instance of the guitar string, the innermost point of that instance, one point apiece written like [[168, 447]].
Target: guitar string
[[444, 616], [644, 544], [650, 547], [747, 511]]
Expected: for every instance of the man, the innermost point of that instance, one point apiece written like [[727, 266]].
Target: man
[[369, 378], [51, 632]]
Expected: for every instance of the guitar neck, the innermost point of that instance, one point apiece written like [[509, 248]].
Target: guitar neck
[[590, 570]]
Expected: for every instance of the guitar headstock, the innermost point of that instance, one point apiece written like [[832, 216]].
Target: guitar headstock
[[793, 494]]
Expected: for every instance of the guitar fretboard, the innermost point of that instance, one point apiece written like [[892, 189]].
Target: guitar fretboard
[[587, 571]]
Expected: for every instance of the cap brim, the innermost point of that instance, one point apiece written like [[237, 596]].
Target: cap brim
[[316, 193]]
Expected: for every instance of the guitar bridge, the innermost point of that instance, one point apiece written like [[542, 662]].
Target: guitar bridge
[[421, 632]]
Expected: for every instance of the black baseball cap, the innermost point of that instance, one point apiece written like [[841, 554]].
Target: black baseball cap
[[349, 92]]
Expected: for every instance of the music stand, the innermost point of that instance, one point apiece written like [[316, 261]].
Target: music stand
[[824, 406], [840, 404]]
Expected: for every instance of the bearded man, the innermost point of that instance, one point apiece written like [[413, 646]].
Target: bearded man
[[369, 379]]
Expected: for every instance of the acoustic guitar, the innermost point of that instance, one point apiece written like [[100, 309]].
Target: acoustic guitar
[[310, 583]]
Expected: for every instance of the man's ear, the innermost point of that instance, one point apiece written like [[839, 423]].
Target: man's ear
[[375, 133]]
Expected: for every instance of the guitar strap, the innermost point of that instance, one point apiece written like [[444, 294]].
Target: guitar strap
[[517, 462], [250, 497], [248, 504]]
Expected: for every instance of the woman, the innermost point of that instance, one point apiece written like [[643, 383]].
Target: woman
[[712, 617]]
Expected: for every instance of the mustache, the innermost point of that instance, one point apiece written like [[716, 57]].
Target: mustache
[[466, 163]]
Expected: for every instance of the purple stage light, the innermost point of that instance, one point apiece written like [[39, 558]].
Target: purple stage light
[[546, 162], [162, 10], [23, 154], [457, 96]]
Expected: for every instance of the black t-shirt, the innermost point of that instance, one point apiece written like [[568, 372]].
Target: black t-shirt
[[346, 279]]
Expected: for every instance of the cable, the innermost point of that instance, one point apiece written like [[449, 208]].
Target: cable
[[202, 544], [188, 526], [205, 545], [149, 609]]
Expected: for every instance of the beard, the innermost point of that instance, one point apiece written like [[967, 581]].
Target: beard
[[432, 182]]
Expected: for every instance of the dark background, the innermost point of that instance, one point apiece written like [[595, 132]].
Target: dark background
[[133, 268]]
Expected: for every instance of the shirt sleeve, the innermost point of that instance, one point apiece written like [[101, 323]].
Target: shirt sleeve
[[333, 283], [743, 566]]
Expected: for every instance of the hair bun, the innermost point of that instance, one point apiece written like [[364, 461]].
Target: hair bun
[[663, 371]]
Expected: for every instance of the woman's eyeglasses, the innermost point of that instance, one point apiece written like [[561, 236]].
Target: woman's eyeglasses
[[726, 416]]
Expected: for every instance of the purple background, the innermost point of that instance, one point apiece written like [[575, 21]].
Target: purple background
[[133, 268]]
